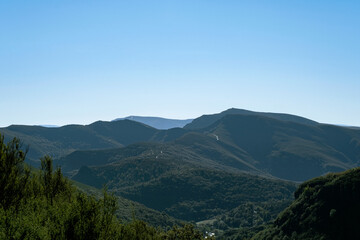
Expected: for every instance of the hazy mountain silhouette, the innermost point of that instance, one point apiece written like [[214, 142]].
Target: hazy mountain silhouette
[[158, 122]]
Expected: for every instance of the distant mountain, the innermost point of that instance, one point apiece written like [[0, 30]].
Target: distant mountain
[[157, 122], [49, 126], [197, 177], [327, 207], [208, 171], [206, 120], [282, 146], [246, 143], [290, 150], [61, 141]]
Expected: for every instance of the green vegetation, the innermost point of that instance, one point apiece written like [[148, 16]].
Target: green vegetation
[[44, 205], [325, 208], [289, 150], [129, 210], [268, 144], [228, 173], [58, 142], [162, 179]]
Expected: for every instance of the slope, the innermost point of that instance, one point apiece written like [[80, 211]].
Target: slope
[[206, 120], [61, 141], [183, 190], [327, 207], [128, 210], [289, 150]]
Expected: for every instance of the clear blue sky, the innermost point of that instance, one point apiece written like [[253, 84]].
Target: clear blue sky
[[67, 62]]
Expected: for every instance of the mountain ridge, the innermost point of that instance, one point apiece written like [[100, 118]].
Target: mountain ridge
[[206, 120], [158, 122], [285, 149]]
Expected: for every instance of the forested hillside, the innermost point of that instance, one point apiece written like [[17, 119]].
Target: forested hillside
[[233, 170], [61, 141], [44, 205], [327, 207], [268, 144]]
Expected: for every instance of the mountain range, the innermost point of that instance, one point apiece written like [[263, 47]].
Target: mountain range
[[217, 170], [277, 145]]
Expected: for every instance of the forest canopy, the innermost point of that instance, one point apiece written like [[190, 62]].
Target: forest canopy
[[43, 204]]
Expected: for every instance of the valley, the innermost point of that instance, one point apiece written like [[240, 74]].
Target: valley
[[228, 172]]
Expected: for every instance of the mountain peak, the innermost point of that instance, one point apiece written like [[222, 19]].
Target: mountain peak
[[207, 120]]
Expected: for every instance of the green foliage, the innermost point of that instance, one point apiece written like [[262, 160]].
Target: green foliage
[[326, 207], [14, 177], [44, 205]]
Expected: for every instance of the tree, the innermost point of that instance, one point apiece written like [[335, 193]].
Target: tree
[[14, 175]]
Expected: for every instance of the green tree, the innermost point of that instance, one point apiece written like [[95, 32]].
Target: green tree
[[13, 175]]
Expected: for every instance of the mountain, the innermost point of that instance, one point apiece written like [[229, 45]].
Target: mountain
[[268, 144], [221, 171], [158, 122], [289, 150], [245, 143], [61, 141], [200, 176], [181, 189], [180, 178], [206, 120], [327, 207]]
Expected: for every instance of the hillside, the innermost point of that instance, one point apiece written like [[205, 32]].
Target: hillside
[[233, 173], [171, 179], [327, 207], [240, 142], [42, 204], [237, 143], [128, 210], [61, 141], [206, 120], [268, 144], [289, 150], [158, 122]]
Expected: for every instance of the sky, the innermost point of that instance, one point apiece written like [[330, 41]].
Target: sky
[[76, 62]]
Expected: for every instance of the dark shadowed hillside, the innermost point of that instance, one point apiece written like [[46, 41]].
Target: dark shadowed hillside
[[289, 150], [324, 208], [183, 190], [128, 210]]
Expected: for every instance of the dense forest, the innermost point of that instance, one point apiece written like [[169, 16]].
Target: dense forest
[[42, 204], [326, 208]]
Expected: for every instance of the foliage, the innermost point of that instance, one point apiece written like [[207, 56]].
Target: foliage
[[44, 205], [326, 207]]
